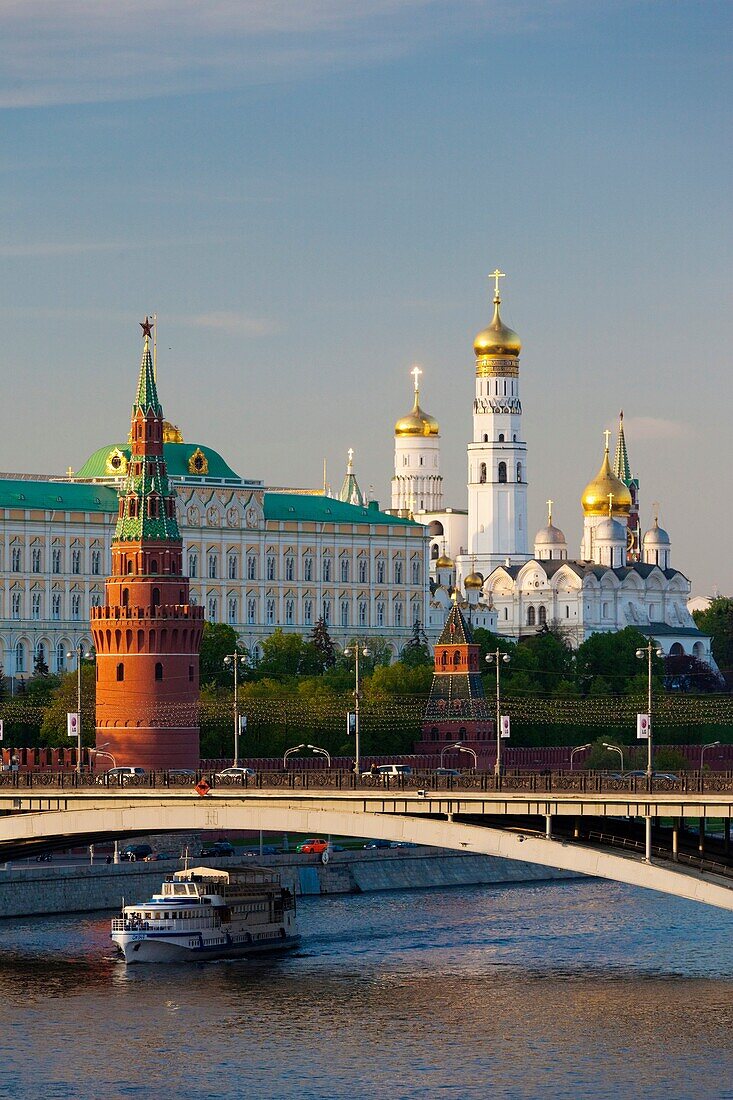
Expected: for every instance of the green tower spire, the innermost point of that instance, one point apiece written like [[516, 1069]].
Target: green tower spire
[[621, 465], [146, 397]]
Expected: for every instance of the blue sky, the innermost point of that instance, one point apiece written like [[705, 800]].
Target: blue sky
[[311, 194]]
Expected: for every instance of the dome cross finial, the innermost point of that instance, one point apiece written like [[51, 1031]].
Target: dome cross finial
[[496, 275], [549, 504], [416, 372], [607, 436], [610, 504]]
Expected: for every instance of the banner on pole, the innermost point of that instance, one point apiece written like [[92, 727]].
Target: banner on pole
[[505, 726], [243, 723], [350, 724], [72, 725], [2, 728], [642, 726]]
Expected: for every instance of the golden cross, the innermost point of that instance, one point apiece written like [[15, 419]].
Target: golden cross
[[350, 453], [549, 511], [608, 438], [610, 504], [416, 372], [496, 275]]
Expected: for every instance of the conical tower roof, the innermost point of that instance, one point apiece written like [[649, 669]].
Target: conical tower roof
[[146, 398], [456, 630], [350, 491], [621, 465]]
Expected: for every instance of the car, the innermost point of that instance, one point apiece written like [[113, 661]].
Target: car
[[218, 848], [181, 774], [118, 776], [315, 844], [236, 773], [134, 852], [155, 856], [387, 771], [447, 771], [378, 844], [669, 776]]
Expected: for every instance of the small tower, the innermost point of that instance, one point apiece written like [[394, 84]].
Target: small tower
[[148, 634], [595, 501], [549, 542], [497, 456], [417, 485], [657, 546], [622, 470], [350, 491], [457, 709]]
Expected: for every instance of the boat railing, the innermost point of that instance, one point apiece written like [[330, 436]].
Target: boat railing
[[120, 924]]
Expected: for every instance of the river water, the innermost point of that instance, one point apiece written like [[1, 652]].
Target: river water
[[574, 989]]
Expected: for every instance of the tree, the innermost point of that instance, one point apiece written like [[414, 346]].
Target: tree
[[282, 655], [218, 641], [416, 651], [717, 621], [320, 639], [40, 668], [63, 701], [612, 656]]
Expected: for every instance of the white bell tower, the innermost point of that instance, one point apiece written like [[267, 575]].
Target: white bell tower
[[417, 485], [497, 457]]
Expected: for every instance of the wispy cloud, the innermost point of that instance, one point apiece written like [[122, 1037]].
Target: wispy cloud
[[654, 427], [54, 52], [231, 322]]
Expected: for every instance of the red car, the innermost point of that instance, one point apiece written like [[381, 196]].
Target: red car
[[314, 845]]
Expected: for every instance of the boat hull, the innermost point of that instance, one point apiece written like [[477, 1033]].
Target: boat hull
[[147, 948]]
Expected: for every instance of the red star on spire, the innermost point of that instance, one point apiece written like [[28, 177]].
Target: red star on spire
[[146, 326]]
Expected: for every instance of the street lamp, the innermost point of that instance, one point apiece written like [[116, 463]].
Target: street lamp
[[467, 748], [80, 656], [448, 748], [354, 651], [321, 752], [100, 752], [578, 748], [498, 657], [649, 651], [235, 661], [710, 745], [615, 748], [289, 752]]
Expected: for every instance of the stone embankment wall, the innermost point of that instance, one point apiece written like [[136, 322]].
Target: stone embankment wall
[[37, 890]]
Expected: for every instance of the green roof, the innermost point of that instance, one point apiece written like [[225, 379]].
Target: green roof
[[146, 397], [303, 506], [57, 495], [177, 457]]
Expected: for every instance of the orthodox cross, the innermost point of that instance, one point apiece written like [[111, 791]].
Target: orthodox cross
[[350, 453], [607, 434], [655, 506], [610, 504], [496, 275], [549, 504], [416, 372]]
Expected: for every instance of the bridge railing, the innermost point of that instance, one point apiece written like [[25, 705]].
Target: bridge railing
[[700, 863], [431, 782]]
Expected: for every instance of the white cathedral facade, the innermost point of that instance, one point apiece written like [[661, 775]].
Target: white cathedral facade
[[482, 555]]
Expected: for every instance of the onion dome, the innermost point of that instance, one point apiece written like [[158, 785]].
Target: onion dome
[[606, 486], [473, 581], [417, 422], [444, 562], [610, 530], [498, 338], [656, 536]]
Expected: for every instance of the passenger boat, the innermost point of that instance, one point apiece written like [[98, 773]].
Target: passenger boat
[[208, 913]]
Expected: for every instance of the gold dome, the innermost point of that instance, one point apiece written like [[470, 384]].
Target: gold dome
[[595, 496], [444, 562], [417, 422], [497, 339], [171, 433], [473, 580]]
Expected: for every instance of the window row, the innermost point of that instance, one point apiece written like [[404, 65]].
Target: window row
[[289, 569], [38, 605], [311, 611], [57, 560]]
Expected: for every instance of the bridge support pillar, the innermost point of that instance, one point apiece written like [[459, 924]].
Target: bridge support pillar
[[675, 841], [548, 826], [701, 838], [726, 836], [648, 838]]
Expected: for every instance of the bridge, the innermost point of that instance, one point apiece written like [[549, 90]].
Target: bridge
[[580, 822]]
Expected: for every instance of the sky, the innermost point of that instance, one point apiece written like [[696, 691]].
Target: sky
[[310, 194]]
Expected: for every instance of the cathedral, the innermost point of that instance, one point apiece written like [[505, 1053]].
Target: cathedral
[[481, 555]]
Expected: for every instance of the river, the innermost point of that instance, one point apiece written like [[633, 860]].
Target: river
[[572, 989]]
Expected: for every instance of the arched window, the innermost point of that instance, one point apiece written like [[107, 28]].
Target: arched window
[[158, 670], [543, 615], [519, 472], [232, 567], [20, 657], [308, 569], [130, 567], [398, 614], [289, 612], [251, 611], [506, 613], [501, 437], [327, 569], [380, 571], [434, 552], [398, 571], [213, 566], [344, 570], [457, 658], [232, 609], [415, 566], [482, 473], [362, 570], [443, 658], [251, 568], [502, 473], [344, 612], [60, 657], [156, 597], [289, 569], [327, 612], [363, 612], [380, 614], [307, 612], [270, 612], [120, 672], [531, 616], [213, 609], [486, 438]]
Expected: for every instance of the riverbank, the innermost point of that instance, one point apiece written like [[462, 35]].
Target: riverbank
[[32, 890]]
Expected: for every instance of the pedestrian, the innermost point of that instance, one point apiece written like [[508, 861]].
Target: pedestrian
[[14, 762], [374, 770]]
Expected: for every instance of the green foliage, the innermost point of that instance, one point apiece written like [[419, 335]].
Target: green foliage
[[320, 639], [64, 700], [416, 651], [285, 655], [218, 641], [613, 657], [717, 621]]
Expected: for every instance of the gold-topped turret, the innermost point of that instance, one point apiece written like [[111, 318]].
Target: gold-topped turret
[[606, 494], [417, 422], [497, 339]]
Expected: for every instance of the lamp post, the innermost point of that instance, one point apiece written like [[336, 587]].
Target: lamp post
[[289, 752], [710, 745], [80, 656], [649, 651], [579, 748], [615, 748], [448, 748], [354, 651], [467, 748], [321, 752], [100, 752], [235, 661], [497, 656]]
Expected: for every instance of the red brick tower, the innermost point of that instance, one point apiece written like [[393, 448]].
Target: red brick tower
[[457, 709], [147, 636]]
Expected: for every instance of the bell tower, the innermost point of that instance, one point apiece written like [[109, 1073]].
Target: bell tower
[[147, 635], [497, 457]]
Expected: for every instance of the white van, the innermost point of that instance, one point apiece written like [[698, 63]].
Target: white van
[[388, 770]]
